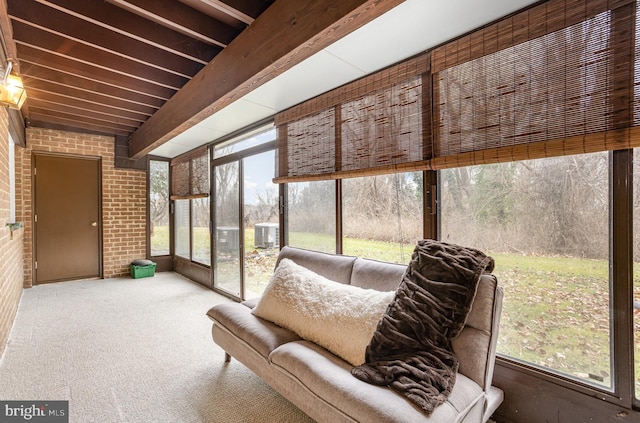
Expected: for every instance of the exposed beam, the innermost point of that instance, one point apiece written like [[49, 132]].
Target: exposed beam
[[287, 33], [228, 10], [39, 103], [181, 18], [81, 120], [72, 123], [96, 100], [251, 8], [70, 27], [67, 126], [118, 20], [30, 56], [78, 104], [36, 38], [62, 78], [6, 39]]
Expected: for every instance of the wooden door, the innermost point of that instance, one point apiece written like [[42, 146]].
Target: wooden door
[[67, 224]]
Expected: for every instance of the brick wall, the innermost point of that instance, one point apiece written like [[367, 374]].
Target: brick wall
[[123, 198], [11, 257]]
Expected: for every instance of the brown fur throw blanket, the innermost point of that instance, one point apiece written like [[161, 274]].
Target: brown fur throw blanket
[[411, 347]]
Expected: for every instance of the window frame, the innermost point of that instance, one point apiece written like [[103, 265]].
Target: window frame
[[164, 261]]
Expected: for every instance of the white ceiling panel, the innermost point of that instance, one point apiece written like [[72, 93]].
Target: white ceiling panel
[[416, 26], [171, 149], [237, 115], [320, 73]]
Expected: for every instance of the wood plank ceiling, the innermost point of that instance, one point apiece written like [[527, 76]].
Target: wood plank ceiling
[[108, 66], [148, 70]]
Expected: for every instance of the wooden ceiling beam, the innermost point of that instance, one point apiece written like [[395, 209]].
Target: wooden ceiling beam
[[92, 98], [37, 103], [251, 8], [287, 33], [48, 121], [6, 32], [70, 27], [32, 56], [61, 78], [118, 20], [75, 103], [55, 44], [230, 11], [181, 18], [80, 118]]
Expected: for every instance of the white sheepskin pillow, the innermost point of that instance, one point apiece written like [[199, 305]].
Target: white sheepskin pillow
[[338, 317]]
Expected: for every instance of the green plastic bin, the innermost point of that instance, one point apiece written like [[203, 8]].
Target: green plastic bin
[[142, 269]]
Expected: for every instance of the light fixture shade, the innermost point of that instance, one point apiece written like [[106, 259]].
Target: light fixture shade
[[12, 93]]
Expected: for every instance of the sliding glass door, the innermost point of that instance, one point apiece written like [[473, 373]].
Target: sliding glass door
[[261, 221], [228, 249], [247, 230]]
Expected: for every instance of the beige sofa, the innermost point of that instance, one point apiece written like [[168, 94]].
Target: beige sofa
[[321, 384]]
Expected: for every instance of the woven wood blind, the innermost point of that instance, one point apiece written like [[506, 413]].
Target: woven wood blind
[[562, 77], [383, 128], [190, 175], [311, 144], [372, 123], [557, 78], [180, 176]]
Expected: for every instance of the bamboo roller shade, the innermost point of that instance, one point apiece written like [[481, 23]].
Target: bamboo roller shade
[[190, 175], [556, 79]]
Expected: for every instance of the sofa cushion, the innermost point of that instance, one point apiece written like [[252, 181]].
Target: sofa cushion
[[378, 275], [262, 335], [329, 378], [339, 317], [480, 333], [333, 267]]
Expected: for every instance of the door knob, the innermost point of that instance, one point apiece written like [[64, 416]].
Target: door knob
[[94, 223]]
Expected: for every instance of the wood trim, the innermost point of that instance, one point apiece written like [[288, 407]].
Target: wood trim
[[301, 28]]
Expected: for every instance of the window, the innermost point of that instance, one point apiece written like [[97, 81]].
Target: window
[[260, 136], [546, 223], [159, 208], [200, 211], [382, 216], [181, 224], [311, 211], [190, 192], [200, 230]]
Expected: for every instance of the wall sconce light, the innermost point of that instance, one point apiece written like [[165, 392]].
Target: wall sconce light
[[12, 92]]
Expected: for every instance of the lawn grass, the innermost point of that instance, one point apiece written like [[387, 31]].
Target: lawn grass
[[556, 310], [556, 314]]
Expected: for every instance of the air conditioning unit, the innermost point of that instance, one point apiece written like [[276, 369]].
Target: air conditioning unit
[[266, 235]]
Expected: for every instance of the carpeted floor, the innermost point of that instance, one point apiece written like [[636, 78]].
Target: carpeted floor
[[131, 350]]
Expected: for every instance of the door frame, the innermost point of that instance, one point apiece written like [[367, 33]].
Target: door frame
[[34, 236]]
